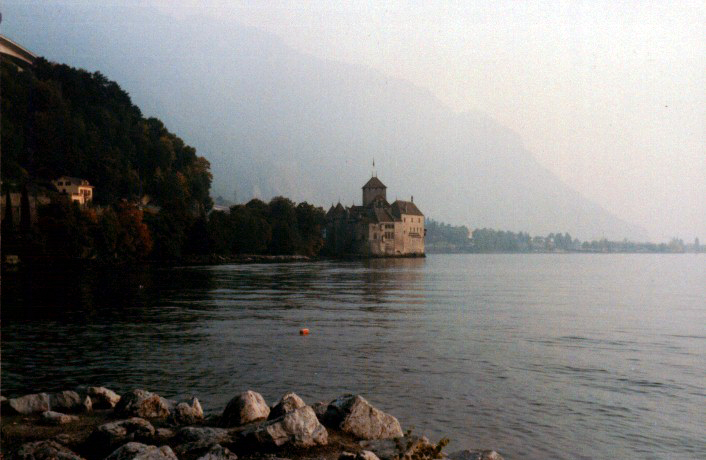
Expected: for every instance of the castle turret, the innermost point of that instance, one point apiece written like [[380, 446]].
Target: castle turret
[[372, 189]]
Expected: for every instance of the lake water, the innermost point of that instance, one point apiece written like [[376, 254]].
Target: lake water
[[537, 356]]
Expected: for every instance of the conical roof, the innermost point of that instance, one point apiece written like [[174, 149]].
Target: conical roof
[[374, 182]]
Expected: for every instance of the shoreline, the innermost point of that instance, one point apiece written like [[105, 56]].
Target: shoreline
[[92, 423]]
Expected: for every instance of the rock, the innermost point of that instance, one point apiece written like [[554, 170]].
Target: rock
[[245, 408], [57, 418], [287, 403], [45, 450], [164, 434], [475, 455], [366, 455], [72, 440], [141, 403], [206, 435], [407, 447], [347, 456], [29, 404], [186, 413], [107, 436], [102, 397], [299, 428], [320, 409], [137, 451], [218, 452], [70, 401], [354, 415]]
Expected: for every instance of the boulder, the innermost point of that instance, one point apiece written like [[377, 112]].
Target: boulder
[[354, 415], [186, 413], [29, 404], [287, 403], [45, 450], [57, 418], [475, 455], [407, 447], [141, 403], [102, 397], [137, 451], [245, 408], [362, 455], [72, 440], [70, 401], [218, 452], [320, 409], [298, 428], [366, 455], [203, 434], [107, 436], [163, 434]]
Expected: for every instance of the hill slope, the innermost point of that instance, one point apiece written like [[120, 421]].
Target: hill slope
[[274, 121]]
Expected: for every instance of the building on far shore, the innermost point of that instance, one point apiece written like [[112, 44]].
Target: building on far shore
[[78, 190], [377, 228]]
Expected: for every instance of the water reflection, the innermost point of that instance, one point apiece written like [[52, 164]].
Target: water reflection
[[493, 351]]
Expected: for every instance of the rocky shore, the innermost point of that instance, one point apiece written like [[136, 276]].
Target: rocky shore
[[96, 423]]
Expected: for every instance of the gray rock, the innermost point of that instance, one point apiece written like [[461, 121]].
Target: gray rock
[[320, 409], [102, 397], [70, 401], [186, 413], [57, 418], [141, 403], [71, 440], [202, 434], [362, 455], [218, 452], [287, 403], [354, 415], [245, 408], [29, 404], [45, 450], [475, 455], [107, 436], [137, 451], [164, 434], [299, 428], [392, 449], [366, 455]]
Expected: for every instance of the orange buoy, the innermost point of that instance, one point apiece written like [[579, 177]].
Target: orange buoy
[[304, 331]]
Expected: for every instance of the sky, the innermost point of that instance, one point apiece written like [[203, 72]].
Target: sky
[[609, 95]]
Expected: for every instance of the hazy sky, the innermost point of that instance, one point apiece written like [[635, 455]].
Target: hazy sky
[[608, 95]]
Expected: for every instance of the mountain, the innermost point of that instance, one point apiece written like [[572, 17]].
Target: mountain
[[274, 121]]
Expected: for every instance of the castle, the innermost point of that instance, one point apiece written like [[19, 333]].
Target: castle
[[377, 228]]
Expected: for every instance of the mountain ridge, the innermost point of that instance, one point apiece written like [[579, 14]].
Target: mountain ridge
[[275, 121]]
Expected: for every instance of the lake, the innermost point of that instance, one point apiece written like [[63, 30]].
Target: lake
[[562, 356]]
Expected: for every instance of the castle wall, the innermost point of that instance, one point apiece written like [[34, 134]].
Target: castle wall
[[369, 194]]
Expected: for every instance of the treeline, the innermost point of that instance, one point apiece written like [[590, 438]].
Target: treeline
[[152, 191], [448, 238]]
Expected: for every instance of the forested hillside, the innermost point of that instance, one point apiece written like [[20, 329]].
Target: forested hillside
[[58, 120]]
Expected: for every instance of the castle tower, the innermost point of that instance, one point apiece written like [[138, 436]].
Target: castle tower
[[372, 189]]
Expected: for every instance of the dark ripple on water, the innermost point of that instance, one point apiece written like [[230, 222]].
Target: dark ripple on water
[[535, 356]]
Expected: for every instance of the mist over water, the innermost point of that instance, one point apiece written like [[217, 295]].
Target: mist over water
[[537, 356]]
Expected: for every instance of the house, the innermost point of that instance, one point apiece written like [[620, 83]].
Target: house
[[77, 189], [376, 228]]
